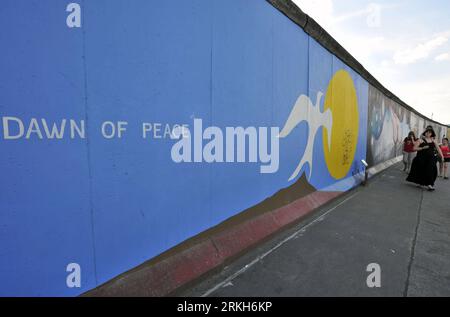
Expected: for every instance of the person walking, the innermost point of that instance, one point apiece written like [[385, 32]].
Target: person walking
[[445, 149], [408, 151], [424, 166]]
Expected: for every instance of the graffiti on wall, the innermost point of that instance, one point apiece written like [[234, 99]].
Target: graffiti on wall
[[388, 125], [94, 170]]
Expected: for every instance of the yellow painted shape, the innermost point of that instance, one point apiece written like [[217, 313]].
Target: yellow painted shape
[[342, 100]]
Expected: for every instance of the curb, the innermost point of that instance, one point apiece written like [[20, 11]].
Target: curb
[[384, 166], [164, 277]]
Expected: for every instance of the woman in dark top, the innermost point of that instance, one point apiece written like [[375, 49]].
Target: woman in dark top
[[424, 168]]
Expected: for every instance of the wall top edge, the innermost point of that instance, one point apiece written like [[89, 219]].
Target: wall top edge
[[313, 29]]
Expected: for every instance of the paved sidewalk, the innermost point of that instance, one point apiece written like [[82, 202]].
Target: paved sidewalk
[[404, 229]]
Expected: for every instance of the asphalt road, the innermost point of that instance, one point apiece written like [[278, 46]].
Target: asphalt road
[[402, 228]]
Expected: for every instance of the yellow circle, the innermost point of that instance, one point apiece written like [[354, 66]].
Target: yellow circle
[[342, 101]]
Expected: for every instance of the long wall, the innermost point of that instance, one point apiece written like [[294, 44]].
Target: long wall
[[389, 123], [94, 171]]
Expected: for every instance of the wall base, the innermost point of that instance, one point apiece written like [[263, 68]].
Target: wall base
[[185, 264]]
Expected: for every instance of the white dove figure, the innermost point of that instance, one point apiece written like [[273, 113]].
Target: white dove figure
[[305, 110]]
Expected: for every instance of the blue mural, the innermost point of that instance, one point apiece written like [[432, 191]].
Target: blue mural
[[132, 126]]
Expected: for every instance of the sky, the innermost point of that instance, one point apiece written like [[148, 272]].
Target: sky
[[405, 44]]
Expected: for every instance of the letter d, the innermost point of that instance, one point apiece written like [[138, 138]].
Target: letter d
[[6, 133]]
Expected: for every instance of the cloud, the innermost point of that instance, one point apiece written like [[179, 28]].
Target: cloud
[[421, 51], [353, 14], [442, 57], [427, 96], [385, 50], [372, 12], [319, 10], [323, 12]]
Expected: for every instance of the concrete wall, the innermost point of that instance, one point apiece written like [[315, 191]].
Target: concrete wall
[[389, 123], [105, 189]]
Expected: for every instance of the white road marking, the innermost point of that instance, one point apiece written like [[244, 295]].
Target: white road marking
[[228, 281]]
